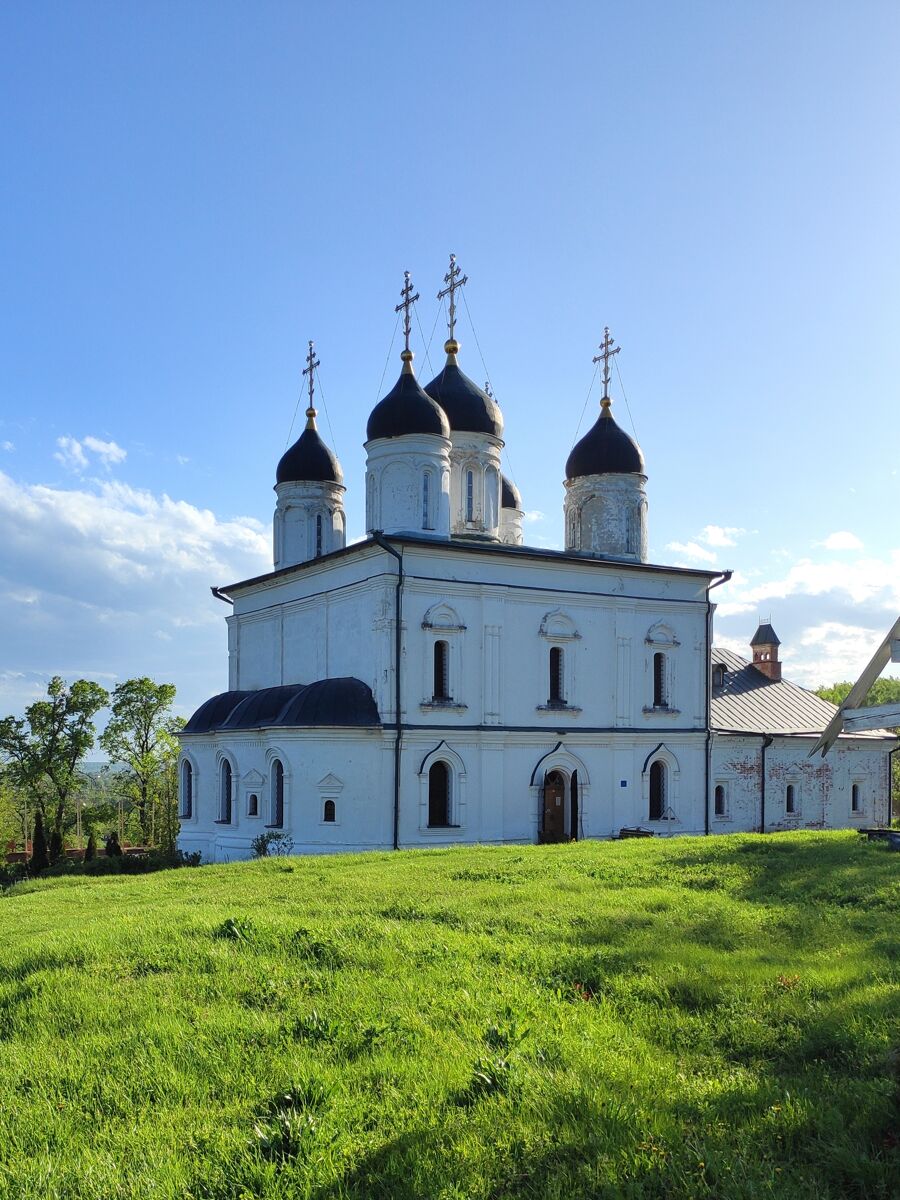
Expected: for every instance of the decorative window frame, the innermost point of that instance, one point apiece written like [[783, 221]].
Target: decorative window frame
[[330, 788], [663, 754], [273, 753], [857, 813], [442, 623], [223, 756], [188, 758], [559, 631], [253, 784], [442, 752], [661, 639]]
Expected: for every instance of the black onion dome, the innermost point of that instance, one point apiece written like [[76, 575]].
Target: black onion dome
[[468, 408], [509, 494], [605, 450], [406, 409], [309, 460]]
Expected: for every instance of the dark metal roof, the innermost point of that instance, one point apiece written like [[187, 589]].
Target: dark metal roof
[[765, 636], [750, 702], [468, 546], [509, 494], [406, 409], [332, 702], [309, 460], [468, 408], [605, 450]]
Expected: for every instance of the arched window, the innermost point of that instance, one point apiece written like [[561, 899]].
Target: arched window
[[470, 495], [225, 792], [657, 790], [659, 680], [790, 799], [187, 791], [427, 523], [439, 795], [328, 811], [441, 671], [855, 798], [277, 793], [318, 535], [557, 688], [720, 800], [253, 805]]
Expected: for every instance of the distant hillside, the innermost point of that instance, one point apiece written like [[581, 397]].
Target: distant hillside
[[714, 1017]]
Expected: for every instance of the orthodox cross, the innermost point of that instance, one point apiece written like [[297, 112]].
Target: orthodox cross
[[453, 282], [607, 350], [312, 363], [406, 304]]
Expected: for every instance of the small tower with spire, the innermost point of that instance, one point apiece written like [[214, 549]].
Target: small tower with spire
[[764, 645], [606, 501], [408, 452], [476, 435], [309, 512]]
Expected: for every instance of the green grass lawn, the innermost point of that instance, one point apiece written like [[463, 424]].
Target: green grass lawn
[[697, 1017]]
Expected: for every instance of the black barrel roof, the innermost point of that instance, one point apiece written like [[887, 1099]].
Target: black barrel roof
[[406, 409], [309, 460], [509, 494], [335, 702], [605, 450], [468, 408]]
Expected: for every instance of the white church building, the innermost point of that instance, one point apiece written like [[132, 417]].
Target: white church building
[[442, 682]]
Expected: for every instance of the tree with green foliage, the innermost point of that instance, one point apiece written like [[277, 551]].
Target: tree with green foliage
[[42, 750], [90, 851], [138, 736], [40, 857]]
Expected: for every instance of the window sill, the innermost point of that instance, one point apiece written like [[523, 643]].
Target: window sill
[[438, 828], [221, 822], [443, 706], [281, 826], [660, 710], [558, 708]]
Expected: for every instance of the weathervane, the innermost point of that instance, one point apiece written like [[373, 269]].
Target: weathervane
[[607, 350], [406, 304], [453, 282], [312, 363]]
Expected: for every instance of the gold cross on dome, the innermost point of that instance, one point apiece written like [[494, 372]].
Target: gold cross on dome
[[311, 363], [607, 350], [406, 305], [453, 282]]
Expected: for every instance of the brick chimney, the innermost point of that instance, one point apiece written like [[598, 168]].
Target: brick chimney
[[764, 645]]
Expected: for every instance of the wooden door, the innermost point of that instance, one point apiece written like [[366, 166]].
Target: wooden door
[[554, 823]]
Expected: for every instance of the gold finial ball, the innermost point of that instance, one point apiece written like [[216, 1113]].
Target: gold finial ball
[[451, 346], [606, 403], [407, 355]]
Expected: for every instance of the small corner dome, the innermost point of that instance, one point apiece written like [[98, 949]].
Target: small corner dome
[[509, 494], [405, 410], [605, 449], [309, 461], [469, 409]]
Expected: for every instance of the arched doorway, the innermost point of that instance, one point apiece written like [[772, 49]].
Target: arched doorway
[[553, 817]]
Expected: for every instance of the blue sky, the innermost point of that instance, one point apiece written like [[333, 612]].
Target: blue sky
[[190, 192]]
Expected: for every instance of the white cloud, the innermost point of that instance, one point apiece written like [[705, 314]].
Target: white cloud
[[182, 459], [534, 515], [107, 452], [692, 551], [71, 452], [720, 535], [842, 540], [97, 573], [8, 446]]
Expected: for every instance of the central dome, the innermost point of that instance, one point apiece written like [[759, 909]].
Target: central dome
[[406, 409], [468, 408], [605, 450]]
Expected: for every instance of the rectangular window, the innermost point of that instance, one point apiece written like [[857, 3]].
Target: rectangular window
[[790, 799], [470, 496], [557, 679], [720, 800], [426, 501], [659, 681], [441, 673], [856, 798]]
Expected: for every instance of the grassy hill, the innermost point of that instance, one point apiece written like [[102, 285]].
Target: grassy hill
[[712, 1017]]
